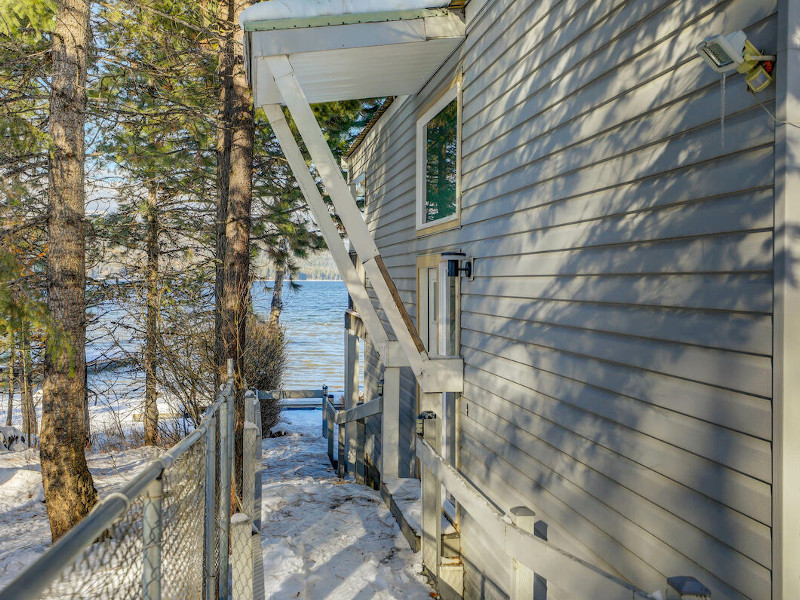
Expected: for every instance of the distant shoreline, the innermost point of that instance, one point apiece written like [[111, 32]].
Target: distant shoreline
[[299, 280]]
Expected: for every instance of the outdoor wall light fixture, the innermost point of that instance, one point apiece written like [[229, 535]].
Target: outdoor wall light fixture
[[734, 52], [454, 268]]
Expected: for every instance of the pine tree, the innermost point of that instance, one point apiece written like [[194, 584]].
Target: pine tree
[[239, 131], [69, 490], [154, 89]]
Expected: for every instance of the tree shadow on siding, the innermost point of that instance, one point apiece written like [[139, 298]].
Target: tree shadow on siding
[[626, 393], [638, 405]]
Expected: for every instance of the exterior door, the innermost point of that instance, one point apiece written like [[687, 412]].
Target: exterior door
[[439, 329]]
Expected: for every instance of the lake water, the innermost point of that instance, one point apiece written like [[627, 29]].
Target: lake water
[[313, 317]]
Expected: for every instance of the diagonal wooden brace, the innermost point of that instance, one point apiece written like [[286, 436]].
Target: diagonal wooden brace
[[355, 287], [437, 375]]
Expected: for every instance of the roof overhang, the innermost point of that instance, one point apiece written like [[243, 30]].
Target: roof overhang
[[349, 55]]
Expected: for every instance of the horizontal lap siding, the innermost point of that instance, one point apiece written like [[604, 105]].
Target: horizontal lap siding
[[618, 334]]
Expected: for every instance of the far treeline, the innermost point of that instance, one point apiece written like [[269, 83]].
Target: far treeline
[[128, 137]]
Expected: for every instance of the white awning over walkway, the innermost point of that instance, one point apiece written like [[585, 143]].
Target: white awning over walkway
[[308, 51], [349, 49]]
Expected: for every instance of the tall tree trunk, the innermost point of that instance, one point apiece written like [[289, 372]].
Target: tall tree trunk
[[68, 488], [150, 352], [236, 294], [11, 356], [277, 301], [86, 422], [225, 73], [28, 409]]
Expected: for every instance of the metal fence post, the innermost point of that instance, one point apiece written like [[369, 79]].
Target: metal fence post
[[249, 468], [209, 539], [242, 557], [360, 444], [224, 496], [151, 534], [231, 425], [522, 578], [324, 411], [329, 413]]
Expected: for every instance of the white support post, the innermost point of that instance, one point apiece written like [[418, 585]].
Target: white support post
[[351, 360], [258, 475], [341, 257], [390, 424], [251, 399], [522, 577], [347, 210], [431, 505], [786, 338]]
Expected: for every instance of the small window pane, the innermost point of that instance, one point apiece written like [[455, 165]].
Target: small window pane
[[359, 191], [441, 157]]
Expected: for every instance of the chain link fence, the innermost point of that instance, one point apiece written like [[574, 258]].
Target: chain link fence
[[162, 535]]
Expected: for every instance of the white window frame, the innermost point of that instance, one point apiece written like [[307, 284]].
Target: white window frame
[[360, 179], [453, 93]]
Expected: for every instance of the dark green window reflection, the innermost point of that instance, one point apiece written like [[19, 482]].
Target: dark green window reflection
[[441, 158]]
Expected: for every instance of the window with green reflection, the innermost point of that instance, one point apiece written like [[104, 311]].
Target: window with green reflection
[[441, 163]]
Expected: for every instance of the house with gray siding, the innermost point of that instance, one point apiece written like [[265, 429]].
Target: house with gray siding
[[604, 233]]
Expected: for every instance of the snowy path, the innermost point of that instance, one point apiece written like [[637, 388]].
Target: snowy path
[[323, 538]]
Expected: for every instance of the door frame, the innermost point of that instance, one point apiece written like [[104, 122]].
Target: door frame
[[424, 263]]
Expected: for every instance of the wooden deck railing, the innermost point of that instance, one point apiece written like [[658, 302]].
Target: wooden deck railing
[[356, 445]]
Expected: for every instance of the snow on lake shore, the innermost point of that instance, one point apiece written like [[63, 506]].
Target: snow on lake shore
[[326, 538]]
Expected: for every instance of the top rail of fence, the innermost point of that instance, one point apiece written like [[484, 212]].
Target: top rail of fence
[[292, 394]]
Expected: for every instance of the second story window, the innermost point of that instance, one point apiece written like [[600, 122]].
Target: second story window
[[438, 162]]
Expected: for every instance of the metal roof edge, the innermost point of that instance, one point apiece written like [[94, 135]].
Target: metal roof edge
[[344, 19], [368, 127]]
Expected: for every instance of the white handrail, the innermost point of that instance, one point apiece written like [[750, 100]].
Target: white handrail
[[576, 576], [361, 411]]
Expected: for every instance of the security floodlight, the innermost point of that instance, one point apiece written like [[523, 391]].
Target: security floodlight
[[724, 53], [734, 52]]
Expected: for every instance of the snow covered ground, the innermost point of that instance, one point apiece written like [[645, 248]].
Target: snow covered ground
[[326, 538], [24, 530], [322, 537]]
